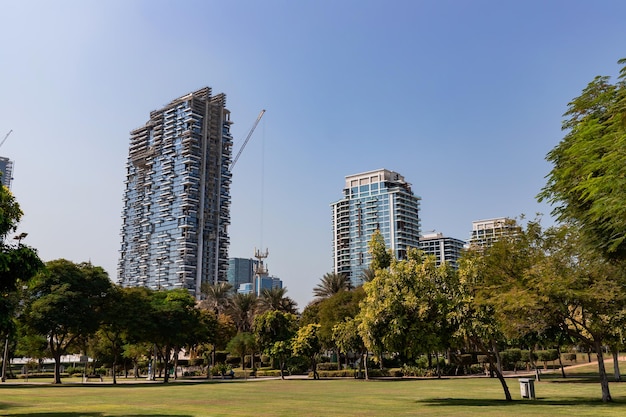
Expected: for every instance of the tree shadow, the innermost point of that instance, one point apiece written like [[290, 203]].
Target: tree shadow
[[471, 402]]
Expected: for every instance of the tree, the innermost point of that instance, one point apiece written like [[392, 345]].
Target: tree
[[342, 306], [381, 256], [406, 306], [64, 303], [584, 290], [276, 299], [242, 309], [347, 339], [307, 344], [242, 344], [217, 297], [330, 284], [18, 263], [273, 331], [126, 319], [587, 183], [177, 322]]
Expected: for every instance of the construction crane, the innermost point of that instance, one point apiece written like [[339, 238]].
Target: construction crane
[[245, 142], [7, 135]]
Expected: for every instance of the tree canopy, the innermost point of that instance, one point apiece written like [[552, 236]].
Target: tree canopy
[[587, 183]]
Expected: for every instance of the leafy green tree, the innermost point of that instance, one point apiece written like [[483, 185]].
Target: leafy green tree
[[587, 183], [584, 290], [347, 339], [273, 331], [330, 284], [406, 307], [125, 319], [64, 303], [335, 309], [381, 256], [306, 343], [18, 263], [242, 344], [177, 323]]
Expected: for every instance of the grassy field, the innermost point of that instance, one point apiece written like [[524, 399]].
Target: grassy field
[[577, 395]]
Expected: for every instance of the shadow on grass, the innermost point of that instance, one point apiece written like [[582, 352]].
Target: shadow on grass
[[81, 414], [470, 402]]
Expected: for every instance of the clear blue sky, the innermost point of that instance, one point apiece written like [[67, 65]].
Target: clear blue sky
[[464, 98]]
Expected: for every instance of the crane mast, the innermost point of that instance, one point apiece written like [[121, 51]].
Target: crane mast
[[245, 142], [7, 135]]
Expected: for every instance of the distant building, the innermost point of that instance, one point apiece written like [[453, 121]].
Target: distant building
[[241, 271], [177, 196], [266, 283], [486, 232], [375, 200], [444, 248], [245, 288], [6, 169]]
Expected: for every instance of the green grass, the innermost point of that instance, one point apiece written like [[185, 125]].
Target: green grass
[[579, 395]]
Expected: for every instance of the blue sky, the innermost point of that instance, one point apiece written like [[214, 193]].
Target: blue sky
[[463, 98]]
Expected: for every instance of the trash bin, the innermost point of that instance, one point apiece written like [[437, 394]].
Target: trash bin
[[527, 388]]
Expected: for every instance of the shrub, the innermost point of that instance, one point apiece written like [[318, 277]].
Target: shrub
[[327, 366], [568, 357], [235, 361]]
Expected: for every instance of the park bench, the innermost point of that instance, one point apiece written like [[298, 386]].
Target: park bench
[[93, 376]]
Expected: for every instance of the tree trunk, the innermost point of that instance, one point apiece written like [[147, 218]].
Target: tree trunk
[[533, 364], [166, 364], [616, 373], [505, 387], [363, 364], [558, 351], [114, 370], [314, 368], [604, 381], [176, 352], [57, 368], [281, 362], [438, 368]]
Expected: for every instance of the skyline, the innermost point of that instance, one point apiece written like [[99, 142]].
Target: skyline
[[464, 99]]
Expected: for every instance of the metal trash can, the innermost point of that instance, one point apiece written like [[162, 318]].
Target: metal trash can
[[527, 388]]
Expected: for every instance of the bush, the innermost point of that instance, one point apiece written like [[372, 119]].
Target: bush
[[526, 356], [568, 357], [234, 361], [327, 366]]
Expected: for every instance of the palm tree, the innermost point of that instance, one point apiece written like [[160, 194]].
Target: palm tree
[[368, 274], [242, 309], [216, 297], [275, 300], [331, 283]]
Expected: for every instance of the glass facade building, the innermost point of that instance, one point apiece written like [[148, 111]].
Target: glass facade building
[[6, 169], [375, 200], [177, 196], [241, 271]]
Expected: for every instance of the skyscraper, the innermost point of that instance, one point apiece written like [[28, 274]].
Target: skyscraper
[[6, 169], [375, 200], [177, 196]]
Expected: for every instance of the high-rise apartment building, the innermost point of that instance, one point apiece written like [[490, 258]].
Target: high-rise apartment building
[[177, 197], [6, 169], [485, 232], [375, 200], [444, 249]]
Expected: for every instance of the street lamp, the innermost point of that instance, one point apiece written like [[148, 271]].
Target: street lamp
[[20, 237]]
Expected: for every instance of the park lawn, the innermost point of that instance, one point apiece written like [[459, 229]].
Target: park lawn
[[576, 395]]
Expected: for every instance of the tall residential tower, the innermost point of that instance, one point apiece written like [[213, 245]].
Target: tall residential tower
[[177, 196], [375, 200]]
